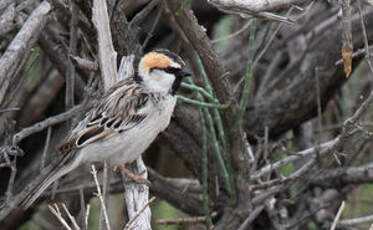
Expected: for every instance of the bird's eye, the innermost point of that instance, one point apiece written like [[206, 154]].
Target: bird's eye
[[171, 70]]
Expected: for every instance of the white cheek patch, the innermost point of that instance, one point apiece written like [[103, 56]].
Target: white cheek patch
[[159, 81]]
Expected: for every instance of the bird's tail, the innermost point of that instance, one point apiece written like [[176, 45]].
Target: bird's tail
[[42, 182], [37, 186]]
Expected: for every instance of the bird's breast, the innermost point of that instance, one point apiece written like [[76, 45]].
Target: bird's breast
[[128, 146]]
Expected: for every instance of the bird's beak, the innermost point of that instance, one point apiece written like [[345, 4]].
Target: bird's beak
[[184, 73]]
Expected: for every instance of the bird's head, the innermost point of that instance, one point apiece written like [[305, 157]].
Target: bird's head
[[162, 71]]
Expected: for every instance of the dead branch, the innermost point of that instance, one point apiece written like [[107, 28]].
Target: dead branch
[[4, 4], [132, 221], [45, 124], [137, 199], [84, 64], [6, 20], [106, 52], [355, 221], [13, 59], [252, 6]]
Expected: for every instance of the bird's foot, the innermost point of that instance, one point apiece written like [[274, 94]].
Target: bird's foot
[[136, 178]]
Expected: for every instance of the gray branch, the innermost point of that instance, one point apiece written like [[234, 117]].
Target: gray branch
[[106, 52], [136, 195], [13, 58], [253, 6]]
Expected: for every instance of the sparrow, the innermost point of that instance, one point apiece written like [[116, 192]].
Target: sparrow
[[124, 122]]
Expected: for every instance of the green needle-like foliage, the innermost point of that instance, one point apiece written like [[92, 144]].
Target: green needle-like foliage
[[202, 103], [200, 90], [205, 198], [246, 90], [219, 123]]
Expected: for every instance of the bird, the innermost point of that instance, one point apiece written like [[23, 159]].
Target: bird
[[123, 123]]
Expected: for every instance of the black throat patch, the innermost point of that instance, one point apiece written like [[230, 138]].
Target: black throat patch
[[176, 85], [137, 78]]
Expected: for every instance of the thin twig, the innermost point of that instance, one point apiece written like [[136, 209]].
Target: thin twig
[[189, 220], [360, 111], [129, 224], [319, 110], [105, 183], [139, 17], [355, 221], [282, 180], [347, 46], [324, 148], [251, 217], [46, 147], [155, 23], [366, 44], [88, 209], [253, 6], [99, 195], [13, 173], [37, 127], [356, 54], [55, 211], [265, 152], [84, 64], [9, 110], [70, 77], [270, 40], [338, 216], [234, 34], [83, 209], [72, 219], [327, 147]]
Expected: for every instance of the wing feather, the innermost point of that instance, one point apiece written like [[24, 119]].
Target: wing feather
[[120, 110]]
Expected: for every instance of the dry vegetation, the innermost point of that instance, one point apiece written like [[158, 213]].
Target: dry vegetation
[[273, 131]]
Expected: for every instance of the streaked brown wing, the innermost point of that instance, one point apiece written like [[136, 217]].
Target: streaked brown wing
[[119, 111]]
